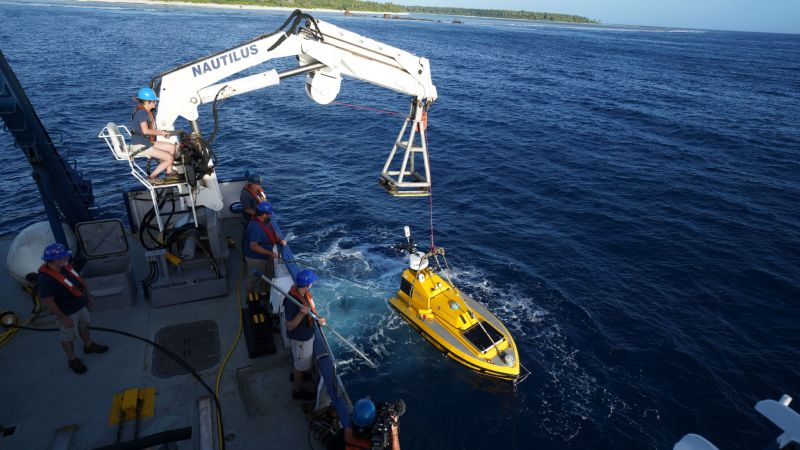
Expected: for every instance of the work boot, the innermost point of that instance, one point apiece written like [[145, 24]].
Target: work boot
[[306, 376], [95, 348], [77, 366], [302, 395]]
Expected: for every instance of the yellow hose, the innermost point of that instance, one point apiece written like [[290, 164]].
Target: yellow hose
[[6, 336], [233, 346]]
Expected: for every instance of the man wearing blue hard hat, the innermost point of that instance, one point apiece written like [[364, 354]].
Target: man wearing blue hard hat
[[300, 330], [259, 247], [64, 293], [364, 433]]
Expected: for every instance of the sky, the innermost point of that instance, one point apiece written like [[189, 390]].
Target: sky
[[772, 16]]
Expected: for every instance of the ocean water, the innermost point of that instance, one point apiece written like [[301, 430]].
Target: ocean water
[[625, 199]]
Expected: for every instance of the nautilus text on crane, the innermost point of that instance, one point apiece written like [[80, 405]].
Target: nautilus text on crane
[[225, 59]]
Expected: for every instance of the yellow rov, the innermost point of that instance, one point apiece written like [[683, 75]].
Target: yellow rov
[[455, 324]]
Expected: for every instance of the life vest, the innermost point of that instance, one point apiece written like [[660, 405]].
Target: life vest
[[151, 122], [308, 302], [258, 195], [76, 291], [269, 230], [353, 442]]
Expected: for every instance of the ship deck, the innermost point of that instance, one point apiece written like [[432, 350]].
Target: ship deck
[[46, 405]]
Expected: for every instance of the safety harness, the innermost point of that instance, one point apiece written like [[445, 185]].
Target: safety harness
[[353, 442], [271, 235], [259, 195], [308, 302], [76, 291]]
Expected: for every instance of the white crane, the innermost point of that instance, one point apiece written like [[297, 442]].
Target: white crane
[[325, 53]]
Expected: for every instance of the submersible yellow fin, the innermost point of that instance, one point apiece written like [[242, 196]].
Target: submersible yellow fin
[[454, 323]]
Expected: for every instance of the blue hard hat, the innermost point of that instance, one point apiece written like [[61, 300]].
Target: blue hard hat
[[305, 278], [364, 412], [146, 93], [55, 251], [264, 207], [254, 179]]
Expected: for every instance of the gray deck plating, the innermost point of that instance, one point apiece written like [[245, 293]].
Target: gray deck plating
[[41, 394]]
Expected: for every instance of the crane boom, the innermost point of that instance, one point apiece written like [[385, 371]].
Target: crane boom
[[325, 53]]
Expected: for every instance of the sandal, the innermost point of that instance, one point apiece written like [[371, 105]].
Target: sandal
[[155, 181]]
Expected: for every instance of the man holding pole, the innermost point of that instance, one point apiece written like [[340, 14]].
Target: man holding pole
[[300, 329]]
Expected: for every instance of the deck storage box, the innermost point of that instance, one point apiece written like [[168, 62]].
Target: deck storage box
[[108, 270]]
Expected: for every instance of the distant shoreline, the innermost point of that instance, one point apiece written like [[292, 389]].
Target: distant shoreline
[[233, 6], [354, 12]]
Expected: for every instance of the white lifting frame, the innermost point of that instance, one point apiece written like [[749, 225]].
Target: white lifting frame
[[406, 181]]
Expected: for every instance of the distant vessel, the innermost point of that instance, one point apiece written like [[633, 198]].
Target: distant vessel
[[454, 323]]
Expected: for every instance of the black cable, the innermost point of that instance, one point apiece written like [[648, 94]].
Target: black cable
[[162, 349], [289, 19], [215, 112]]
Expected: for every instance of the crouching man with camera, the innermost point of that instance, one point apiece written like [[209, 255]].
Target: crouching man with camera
[[375, 427]]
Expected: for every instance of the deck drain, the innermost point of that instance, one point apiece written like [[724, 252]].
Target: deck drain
[[197, 343]]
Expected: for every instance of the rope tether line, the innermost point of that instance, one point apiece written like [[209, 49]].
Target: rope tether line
[[368, 108]]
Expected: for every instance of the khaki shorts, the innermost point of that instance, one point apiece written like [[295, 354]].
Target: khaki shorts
[[265, 266], [303, 354], [137, 152], [80, 320]]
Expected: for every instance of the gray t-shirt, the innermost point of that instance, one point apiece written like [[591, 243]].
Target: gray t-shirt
[[137, 138], [248, 201]]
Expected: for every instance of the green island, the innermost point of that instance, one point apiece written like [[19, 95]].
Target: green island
[[365, 6]]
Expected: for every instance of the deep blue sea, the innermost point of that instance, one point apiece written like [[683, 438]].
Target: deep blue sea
[[625, 199]]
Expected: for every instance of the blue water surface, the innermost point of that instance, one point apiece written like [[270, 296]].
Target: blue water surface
[[625, 200]]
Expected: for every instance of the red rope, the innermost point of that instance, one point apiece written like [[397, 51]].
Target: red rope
[[367, 108]]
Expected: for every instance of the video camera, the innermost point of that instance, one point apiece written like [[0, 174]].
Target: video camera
[[385, 414]]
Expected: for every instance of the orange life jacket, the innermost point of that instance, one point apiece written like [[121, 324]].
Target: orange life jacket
[[308, 302], [76, 291], [353, 442], [256, 192]]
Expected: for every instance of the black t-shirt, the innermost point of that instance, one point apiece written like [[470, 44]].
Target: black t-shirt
[[47, 286]]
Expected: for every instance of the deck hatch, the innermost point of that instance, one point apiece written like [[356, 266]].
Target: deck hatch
[[477, 337], [197, 343]]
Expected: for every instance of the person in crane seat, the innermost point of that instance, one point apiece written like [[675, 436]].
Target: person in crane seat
[[260, 239], [372, 429], [64, 293], [143, 137]]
